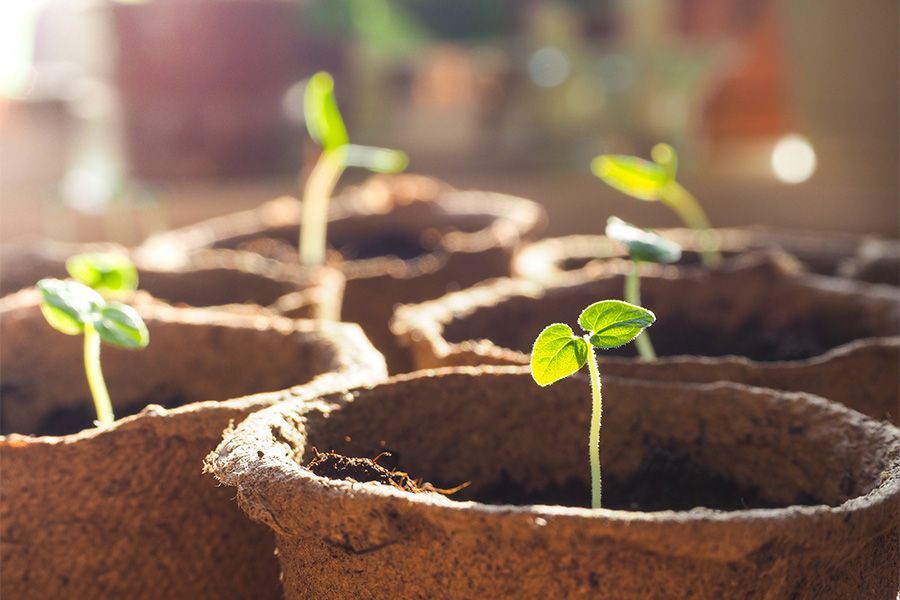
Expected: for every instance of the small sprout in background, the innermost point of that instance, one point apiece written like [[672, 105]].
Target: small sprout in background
[[326, 128], [655, 180], [73, 308], [643, 246], [109, 273], [558, 353]]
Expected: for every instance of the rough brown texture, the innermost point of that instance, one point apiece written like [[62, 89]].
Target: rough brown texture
[[868, 258], [831, 335], [830, 475], [124, 511], [401, 239], [224, 279]]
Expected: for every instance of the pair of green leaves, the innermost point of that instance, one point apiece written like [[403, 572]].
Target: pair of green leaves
[[639, 178], [73, 306], [70, 307], [326, 126], [558, 352], [642, 245]]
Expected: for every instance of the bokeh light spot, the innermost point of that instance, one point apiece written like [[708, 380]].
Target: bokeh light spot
[[549, 67], [793, 159]]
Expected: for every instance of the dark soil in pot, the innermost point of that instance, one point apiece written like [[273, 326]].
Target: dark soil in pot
[[791, 331], [220, 278], [397, 239], [792, 496], [124, 511], [869, 259]]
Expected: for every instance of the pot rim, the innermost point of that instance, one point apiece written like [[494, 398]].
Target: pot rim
[[356, 359], [237, 463], [542, 259], [302, 286], [424, 323], [512, 219]]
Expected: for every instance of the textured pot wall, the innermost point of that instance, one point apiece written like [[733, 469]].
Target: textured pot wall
[[124, 511], [494, 426]]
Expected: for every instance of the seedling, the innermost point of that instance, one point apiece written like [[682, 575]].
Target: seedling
[[326, 128], [558, 353], [655, 180], [73, 308], [109, 273], [643, 246]]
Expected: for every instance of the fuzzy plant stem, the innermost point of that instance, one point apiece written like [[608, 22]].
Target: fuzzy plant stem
[[691, 213], [633, 295], [95, 375], [596, 417], [316, 194]]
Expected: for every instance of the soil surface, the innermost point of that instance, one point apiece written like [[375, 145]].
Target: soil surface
[[800, 339], [679, 334], [72, 419], [688, 258], [665, 480], [337, 466], [397, 244]]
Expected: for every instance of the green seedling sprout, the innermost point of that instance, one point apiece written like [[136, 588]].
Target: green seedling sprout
[[109, 273], [655, 181], [643, 246], [327, 129], [558, 353], [74, 308]]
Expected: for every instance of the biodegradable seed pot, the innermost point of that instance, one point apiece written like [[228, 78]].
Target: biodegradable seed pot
[[713, 491], [124, 511], [401, 238], [758, 320], [869, 258], [225, 279]]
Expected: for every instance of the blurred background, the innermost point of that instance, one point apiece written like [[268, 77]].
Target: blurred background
[[120, 119]]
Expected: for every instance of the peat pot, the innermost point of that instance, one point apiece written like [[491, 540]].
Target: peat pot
[[401, 239], [124, 511], [225, 279], [758, 320], [868, 258], [713, 491]]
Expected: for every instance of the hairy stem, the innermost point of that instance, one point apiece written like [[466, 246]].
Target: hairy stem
[[691, 213], [633, 295], [95, 376], [596, 417], [316, 194]]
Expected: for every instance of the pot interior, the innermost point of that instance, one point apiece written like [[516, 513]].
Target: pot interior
[[688, 258], [44, 390], [747, 312], [663, 447], [214, 287], [205, 286], [280, 243], [407, 232]]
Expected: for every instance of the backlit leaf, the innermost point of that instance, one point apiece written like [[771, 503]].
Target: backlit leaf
[[379, 160], [68, 305], [321, 112], [104, 272], [556, 354], [121, 325], [614, 323], [634, 176], [642, 245]]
